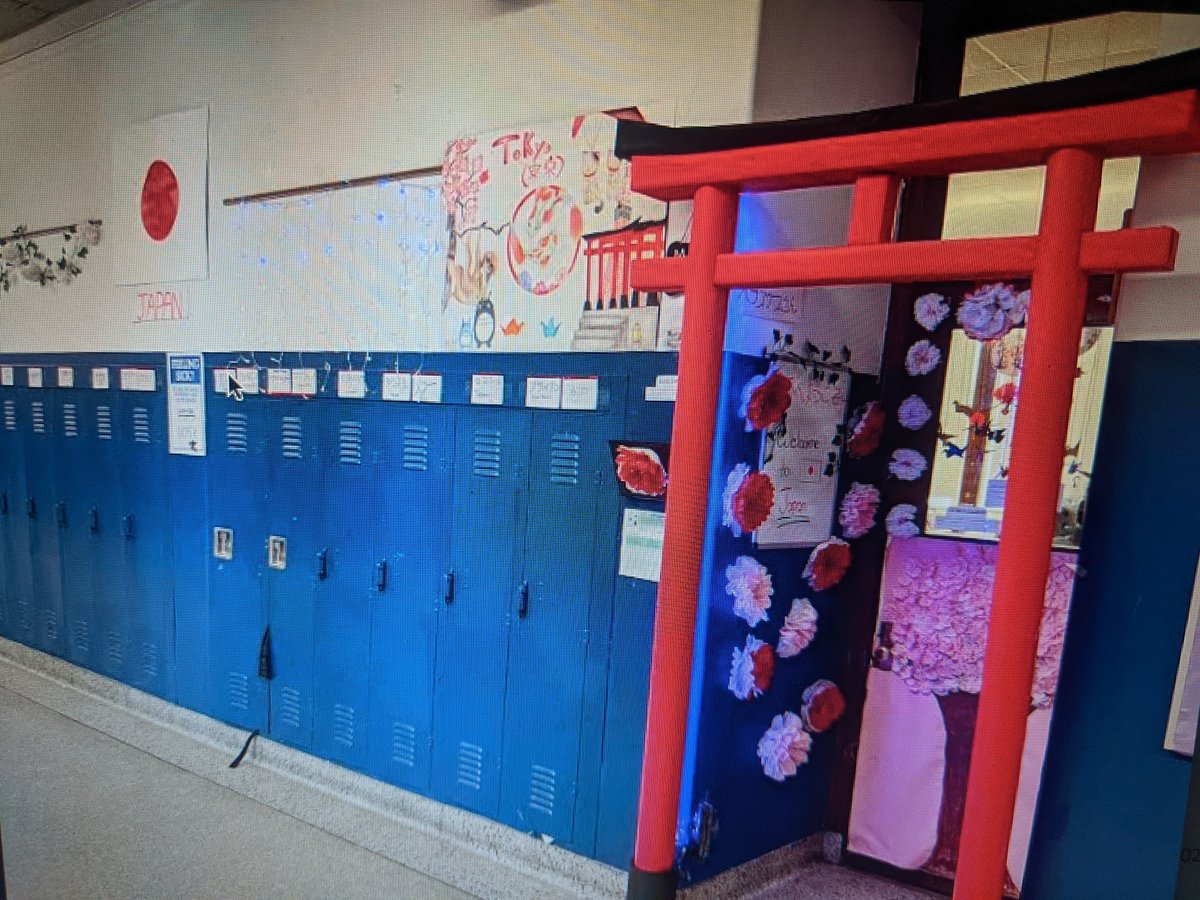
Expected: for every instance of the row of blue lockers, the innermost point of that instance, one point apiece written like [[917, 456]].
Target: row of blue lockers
[[404, 564]]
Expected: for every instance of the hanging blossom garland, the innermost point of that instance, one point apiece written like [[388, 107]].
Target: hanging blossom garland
[[766, 400], [641, 471], [752, 670], [799, 629], [907, 465], [827, 564], [784, 748], [21, 256], [859, 506], [914, 413], [922, 358], [1006, 396], [992, 311], [748, 499], [823, 706], [749, 583], [930, 311], [901, 521], [865, 429]]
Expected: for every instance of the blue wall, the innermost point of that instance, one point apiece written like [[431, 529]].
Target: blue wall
[[1110, 814]]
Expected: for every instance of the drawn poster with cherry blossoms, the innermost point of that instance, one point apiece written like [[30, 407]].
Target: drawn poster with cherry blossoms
[[541, 229]]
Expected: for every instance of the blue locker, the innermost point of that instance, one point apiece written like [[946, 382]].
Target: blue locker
[[8, 465], [490, 465], [413, 487], [237, 436], [19, 575]]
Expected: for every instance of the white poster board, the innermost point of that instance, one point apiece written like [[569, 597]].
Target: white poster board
[[1185, 705], [185, 404]]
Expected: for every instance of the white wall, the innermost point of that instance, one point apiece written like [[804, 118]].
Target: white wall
[[304, 91]]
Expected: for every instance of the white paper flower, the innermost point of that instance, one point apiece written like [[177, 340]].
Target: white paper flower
[[901, 522], [10, 252], [914, 413], [907, 465], [736, 476], [89, 234], [930, 311], [857, 512], [783, 749], [752, 668], [749, 583], [922, 358], [799, 628]]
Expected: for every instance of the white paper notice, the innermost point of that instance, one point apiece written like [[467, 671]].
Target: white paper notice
[[581, 393], [304, 382], [6, 376], [185, 404], [352, 384], [426, 388], [247, 378], [641, 544], [100, 378], [279, 381], [137, 380], [664, 388], [221, 381], [396, 386], [66, 377], [543, 393], [34, 375], [487, 389]]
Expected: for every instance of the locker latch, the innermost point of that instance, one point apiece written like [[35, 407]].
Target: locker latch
[[94, 520], [523, 600], [4, 503], [448, 587], [381, 576], [322, 565], [222, 544], [277, 552], [127, 527], [265, 668], [60, 514], [31, 508]]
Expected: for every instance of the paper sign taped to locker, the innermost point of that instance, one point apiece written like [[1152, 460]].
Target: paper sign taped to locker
[[641, 544], [304, 382], [100, 378], [137, 380], [185, 404], [352, 384], [581, 393], [247, 378], [543, 393], [279, 381], [426, 388], [34, 375], [6, 376], [487, 389], [396, 386], [221, 381], [66, 377]]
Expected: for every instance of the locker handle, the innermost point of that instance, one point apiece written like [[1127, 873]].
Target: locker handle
[[4, 503], [381, 576], [523, 600], [60, 514], [448, 587], [127, 527], [322, 565], [266, 667], [31, 507], [94, 520]]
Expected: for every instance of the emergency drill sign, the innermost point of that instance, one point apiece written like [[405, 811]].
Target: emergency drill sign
[[185, 404]]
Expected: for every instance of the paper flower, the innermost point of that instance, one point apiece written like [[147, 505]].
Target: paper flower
[[747, 499], [749, 583], [900, 521], [752, 669], [783, 749], [827, 564], [857, 514], [799, 629], [823, 706], [907, 465], [865, 429], [930, 311], [641, 471], [913, 413], [765, 400], [1006, 395], [992, 311], [922, 358]]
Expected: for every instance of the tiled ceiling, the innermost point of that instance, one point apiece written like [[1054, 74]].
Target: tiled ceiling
[[20, 15]]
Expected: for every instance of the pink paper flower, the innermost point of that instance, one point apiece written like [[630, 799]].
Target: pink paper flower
[[930, 311], [914, 413], [859, 506], [784, 748], [752, 669], [922, 358], [749, 583], [799, 629], [901, 522], [992, 311], [907, 465]]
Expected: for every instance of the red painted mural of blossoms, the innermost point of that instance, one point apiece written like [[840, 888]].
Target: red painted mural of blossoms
[[463, 175]]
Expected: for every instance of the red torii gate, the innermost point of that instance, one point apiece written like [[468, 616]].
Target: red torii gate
[[1073, 145]]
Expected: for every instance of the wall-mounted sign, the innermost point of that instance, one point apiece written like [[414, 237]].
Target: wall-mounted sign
[[34, 376], [138, 380], [100, 380], [581, 392], [396, 386], [279, 381], [641, 544], [6, 376], [352, 384], [66, 377], [543, 393], [304, 382], [487, 389], [185, 404], [426, 388]]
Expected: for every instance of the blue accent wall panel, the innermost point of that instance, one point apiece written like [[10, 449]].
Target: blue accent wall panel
[[1111, 809]]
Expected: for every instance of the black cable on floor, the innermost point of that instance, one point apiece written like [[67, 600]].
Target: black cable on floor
[[237, 760]]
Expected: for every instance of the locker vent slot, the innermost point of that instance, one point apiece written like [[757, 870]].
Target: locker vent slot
[[38, 409], [104, 423], [350, 441], [141, 424], [404, 744], [542, 783], [237, 432], [51, 625], [343, 724], [470, 765], [82, 637], [70, 420], [416, 448], [239, 690], [150, 660], [486, 453], [289, 707], [10, 415], [113, 649], [24, 615], [292, 437], [564, 458]]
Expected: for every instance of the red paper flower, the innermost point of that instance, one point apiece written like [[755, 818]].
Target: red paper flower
[[766, 400], [865, 430], [752, 501], [641, 471], [823, 706], [752, 670], [827, 564], [764, 667], [1005, 395]]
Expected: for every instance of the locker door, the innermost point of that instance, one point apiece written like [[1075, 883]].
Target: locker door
[[8, 426], [74, 459], [44, 552], [113, 622], [414, 488], [145, 531], [569, 460], [350, 443], [237, 486], [490, 459], [19, 574], [294, 511]]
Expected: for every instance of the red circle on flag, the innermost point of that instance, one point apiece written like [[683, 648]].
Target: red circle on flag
[[160, 200]]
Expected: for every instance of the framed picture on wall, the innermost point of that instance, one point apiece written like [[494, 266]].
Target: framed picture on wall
[[1185, 705]]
